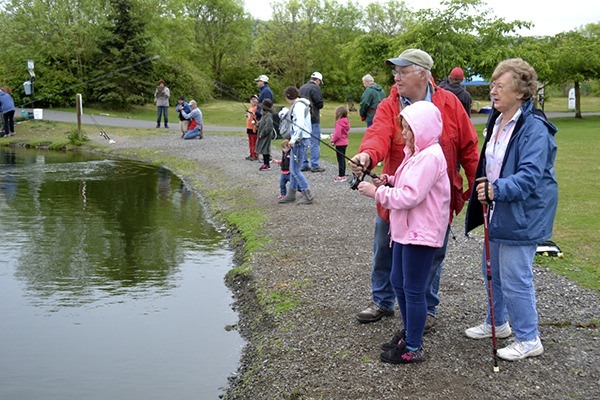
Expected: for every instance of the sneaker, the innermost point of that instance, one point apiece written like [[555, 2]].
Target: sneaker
[[158, 125], [304, 169], [399, 354], [318, 169], [400, 335], [429, 323], [485, 331], [264, 167], [250, 158], [340, 179], [373, 313], [518, 350], [166, 126]]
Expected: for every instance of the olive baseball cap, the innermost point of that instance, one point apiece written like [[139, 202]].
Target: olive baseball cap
[[412, 57]]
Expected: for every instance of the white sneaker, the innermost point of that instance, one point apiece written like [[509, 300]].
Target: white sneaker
[[485, 331], [519, 350]]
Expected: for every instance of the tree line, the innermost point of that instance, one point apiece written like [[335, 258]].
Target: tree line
[[114, 51]]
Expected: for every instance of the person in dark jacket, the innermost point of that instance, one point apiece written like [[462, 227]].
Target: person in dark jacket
[[7, 107], [311, 90], [265, 92], [370, 99], [518, 161], [452, 84], [265, 134]]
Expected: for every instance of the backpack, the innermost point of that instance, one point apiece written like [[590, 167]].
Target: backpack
[[285, 122]]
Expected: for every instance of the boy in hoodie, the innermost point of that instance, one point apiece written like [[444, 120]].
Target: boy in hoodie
[[370, 99], [7, 106], [418, 197]]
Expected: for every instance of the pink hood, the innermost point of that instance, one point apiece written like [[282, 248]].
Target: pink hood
[[419, 201]]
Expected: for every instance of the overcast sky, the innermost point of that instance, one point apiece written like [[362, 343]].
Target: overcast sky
[[549, 19]]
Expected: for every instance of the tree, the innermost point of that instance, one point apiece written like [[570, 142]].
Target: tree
[[389, 19], [222, 31], [124, 65], [576, 57]]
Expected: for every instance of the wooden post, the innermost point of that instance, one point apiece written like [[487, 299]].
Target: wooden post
[[79, 112]]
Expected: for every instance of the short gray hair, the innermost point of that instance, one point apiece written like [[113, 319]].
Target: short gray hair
[[368, 78], [192, 103]]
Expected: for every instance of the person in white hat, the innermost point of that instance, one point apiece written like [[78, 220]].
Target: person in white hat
[[311, 90], [265, 92]]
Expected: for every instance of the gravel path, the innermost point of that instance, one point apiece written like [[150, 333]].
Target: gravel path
[[318, 257]]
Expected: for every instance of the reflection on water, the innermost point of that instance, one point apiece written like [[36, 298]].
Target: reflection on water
[[112, 283]]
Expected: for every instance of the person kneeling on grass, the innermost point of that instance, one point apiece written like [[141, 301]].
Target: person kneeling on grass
[[196, 123]]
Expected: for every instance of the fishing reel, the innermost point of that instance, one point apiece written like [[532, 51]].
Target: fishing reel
[[355, 181]]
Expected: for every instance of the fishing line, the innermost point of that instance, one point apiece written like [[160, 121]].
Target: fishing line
[[102, 131], [116, 71]]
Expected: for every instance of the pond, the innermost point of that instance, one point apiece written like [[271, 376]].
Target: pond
[[111, 283]]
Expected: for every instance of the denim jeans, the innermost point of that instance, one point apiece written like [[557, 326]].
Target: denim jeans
[[383, 293], [164, 110], [283, 180], [193, 133], [315, 148], [512, 288], [410, 268], [297, 179], [433, 279]]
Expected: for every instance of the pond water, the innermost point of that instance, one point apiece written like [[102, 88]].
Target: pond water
[[111, 283]]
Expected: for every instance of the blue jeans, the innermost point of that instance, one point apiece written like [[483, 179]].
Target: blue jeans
[[283, 180], [512, 288], [411, 265], [193, 133], [297, 179], [383, 293], [315, 147], [164, 110]]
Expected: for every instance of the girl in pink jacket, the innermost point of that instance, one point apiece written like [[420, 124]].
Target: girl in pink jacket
[[340, 140], [418, 197]]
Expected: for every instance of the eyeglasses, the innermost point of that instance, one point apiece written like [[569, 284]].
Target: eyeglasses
[[497, 86], [403, 74]]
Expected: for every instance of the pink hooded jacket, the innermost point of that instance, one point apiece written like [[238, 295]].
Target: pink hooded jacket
[[419, 202]]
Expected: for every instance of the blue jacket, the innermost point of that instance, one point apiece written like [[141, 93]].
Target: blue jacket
[[265, 93], [526, 194], [6, 102]]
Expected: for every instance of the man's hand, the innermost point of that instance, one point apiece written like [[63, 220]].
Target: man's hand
[[359, 162]]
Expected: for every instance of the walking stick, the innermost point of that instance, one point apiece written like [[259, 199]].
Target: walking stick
[[488, 264]]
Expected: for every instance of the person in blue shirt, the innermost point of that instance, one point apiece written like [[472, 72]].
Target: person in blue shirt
[[7, 105]]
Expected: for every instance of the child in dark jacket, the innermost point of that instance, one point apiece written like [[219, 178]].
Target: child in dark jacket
[[340, 140], [284, 165]]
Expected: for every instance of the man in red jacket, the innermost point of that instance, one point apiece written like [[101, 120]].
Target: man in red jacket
[[383, 141]]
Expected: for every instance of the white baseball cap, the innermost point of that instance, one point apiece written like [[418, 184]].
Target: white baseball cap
[[262, 78], [317, 75]]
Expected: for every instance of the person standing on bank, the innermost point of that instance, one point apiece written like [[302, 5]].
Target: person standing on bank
[[452, 84], [518, 161], [311, 90], [383, 142], [161, 98], [300, 136], [252, 127], [265, 133], [265, 92], [418, 200], [7, 107], [183, 123], [370, 99]]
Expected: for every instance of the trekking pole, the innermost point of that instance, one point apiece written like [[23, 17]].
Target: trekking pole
[[488, 264]]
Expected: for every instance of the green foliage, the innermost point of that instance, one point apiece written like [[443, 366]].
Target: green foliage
[[76, 139]]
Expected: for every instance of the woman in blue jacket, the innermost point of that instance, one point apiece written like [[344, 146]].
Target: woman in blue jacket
[[518, 160]]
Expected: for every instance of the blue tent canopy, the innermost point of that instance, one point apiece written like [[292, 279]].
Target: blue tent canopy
[[475, 83]]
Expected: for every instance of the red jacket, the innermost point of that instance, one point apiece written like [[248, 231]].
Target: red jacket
[[383, 141]]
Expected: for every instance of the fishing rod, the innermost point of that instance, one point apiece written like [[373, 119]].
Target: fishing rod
[[102, 131], [116, 71]]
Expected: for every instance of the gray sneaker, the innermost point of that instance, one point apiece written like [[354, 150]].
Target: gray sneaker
[[429, 323], [373, 313]]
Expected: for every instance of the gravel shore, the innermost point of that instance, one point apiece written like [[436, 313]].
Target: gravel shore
[[298, 301]]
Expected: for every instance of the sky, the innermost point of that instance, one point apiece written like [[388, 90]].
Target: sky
[[548, 19]]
